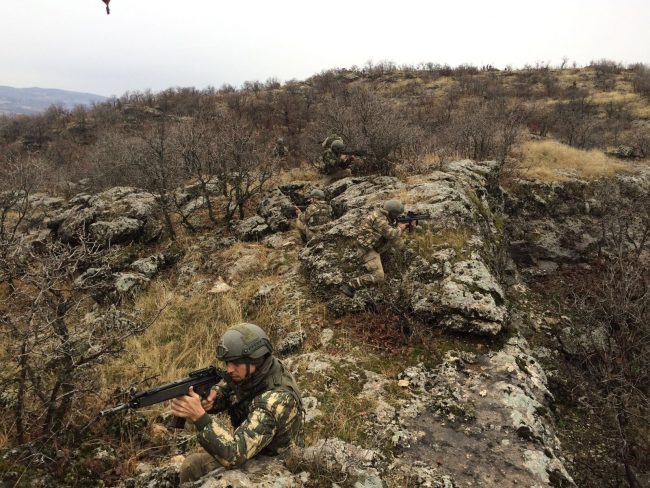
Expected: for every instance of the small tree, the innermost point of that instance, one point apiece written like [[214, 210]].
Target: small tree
[[22, 177], [243, 166], [49, 349]]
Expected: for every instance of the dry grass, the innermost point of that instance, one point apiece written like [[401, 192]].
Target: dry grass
[[553, 161], [183, 337]]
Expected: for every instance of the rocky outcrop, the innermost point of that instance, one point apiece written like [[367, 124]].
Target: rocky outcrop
[[118, 215], [551, 225], [444, 278]]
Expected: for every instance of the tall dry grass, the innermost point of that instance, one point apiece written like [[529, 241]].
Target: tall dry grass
[[183, 337], [553, 161]]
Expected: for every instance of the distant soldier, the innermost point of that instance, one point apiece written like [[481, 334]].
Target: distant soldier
[[379, 232], [317, 214], [335, 164], [280, 150], [261, 398], [327, 142]]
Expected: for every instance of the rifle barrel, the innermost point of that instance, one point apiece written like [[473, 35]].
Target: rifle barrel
[[111, 411]]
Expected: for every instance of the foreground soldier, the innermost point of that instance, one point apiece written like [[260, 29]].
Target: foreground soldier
[[336, 164], [317, 214], [378, 233], [262, 399]]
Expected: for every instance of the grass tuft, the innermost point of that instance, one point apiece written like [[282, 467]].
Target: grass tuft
[[553, 161]]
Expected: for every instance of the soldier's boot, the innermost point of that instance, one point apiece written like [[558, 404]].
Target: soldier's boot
[[347, 290]]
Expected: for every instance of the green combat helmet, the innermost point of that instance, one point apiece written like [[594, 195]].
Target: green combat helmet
[[317, 194], [337, 145], [242, 343], [395, 208]]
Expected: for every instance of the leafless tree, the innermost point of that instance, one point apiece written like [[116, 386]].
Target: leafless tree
[[153, 164], [197, 143], [49, 348], [244, 165], [22, 176]]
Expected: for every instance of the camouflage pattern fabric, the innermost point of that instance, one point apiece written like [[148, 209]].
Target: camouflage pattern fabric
[[197, 465], [273, 421], [316, 214], [332, 162], [376, 231], [313, 218], [371, 260], [280, 151]]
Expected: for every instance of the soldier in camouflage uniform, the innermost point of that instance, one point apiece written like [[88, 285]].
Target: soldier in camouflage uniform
[[279, 150], [335, 164], [314, 217], [262, 399], [378, 233]]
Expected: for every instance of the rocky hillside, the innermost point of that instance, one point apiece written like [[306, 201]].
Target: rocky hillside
[[446, 376]]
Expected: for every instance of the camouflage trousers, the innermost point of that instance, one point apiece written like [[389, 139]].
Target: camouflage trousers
[[371, 260], [197, 465], [305, 232]]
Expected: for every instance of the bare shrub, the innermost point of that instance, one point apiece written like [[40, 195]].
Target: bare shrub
[[22, 176], [365, 120], [48, 348]]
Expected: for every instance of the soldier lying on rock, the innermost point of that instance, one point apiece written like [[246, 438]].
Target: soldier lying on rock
[[317, 214], [262, 399], [379, 232]]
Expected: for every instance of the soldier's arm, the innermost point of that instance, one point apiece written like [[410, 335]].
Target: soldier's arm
[[270, 413], [386, 230]]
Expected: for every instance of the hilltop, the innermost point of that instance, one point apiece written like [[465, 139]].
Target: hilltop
[[508, 345], [36, 100]]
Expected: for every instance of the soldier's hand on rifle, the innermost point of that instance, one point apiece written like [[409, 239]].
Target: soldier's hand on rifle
[[405, 225], [298, 211], [207, 403], [188, 406]]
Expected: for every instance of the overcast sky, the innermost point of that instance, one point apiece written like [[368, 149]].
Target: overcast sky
[[156, 44]]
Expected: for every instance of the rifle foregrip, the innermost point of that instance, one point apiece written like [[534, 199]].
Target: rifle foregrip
[[178, 423]]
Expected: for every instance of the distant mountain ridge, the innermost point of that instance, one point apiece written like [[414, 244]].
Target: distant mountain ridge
[[35, 100]]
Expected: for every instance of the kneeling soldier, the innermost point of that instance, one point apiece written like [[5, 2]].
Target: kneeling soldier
[[379, 232], [317, 214], [335, 164], [262, 399]]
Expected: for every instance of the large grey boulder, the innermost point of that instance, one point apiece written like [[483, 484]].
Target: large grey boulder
[[250, 229], [122, 229]]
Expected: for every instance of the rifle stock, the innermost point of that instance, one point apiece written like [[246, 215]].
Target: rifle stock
[[202, 381]]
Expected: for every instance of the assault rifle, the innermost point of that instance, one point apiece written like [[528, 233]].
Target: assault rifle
[[411, 216], [202, 380], [354, 152], [290, 210]]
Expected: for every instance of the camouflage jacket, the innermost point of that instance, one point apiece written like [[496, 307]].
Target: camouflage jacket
[[316, 214], [273, 420], [332, 162], [376, 230]]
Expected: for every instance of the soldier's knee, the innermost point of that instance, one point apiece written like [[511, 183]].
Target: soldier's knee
[[196, 466], [379, 276]]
